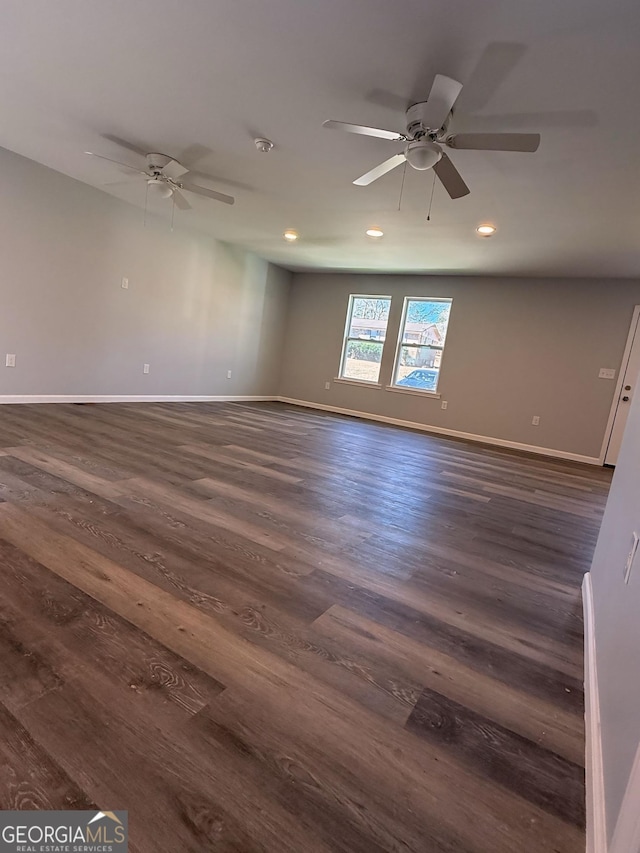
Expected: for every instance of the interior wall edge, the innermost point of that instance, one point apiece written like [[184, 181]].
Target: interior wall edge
[[626, 836], [480, 439], [594, 770]]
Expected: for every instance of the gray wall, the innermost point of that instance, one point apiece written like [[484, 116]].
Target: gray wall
[[515, 349], [195, 307], [617, 621]]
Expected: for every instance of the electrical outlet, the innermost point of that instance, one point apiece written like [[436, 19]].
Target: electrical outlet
[[327, 386], [228, 374], [443, 404], [630, 557], [606, 373], [535, 420], [145, 368], [11, 359], [125, 283]]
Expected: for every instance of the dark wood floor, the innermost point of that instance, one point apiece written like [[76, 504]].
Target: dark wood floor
[[260, 628]]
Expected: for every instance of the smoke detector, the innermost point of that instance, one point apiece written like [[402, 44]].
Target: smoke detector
[[263, 145]]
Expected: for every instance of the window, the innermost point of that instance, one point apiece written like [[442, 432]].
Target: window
[[364, 337], [421, 343]]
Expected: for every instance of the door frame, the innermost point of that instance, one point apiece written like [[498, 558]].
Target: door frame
[[635, 319]]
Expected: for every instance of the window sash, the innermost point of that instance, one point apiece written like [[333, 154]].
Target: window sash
[[403, 343], [349, 338]]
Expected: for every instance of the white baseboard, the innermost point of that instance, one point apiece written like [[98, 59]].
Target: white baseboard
[[482, 439], [130, 398], [596, 815]]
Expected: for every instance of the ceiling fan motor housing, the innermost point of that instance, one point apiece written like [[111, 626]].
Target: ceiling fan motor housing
[[416, 122], [156, 162]]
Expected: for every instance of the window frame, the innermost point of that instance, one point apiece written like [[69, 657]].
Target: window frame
[[396, 363], [346, 339]]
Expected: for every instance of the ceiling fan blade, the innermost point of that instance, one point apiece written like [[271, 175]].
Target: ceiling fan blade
[[123, 143], [117, 162], [379, 171], [450, 177], [495, 141], [180, 201], [442, 97], [173, 170], [197, 175], [494, 66], [517, 121], [205, 191], [364, 131], [128, 183], [194, 153], [389, 100]]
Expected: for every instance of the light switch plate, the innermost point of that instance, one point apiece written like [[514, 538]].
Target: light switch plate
[[145, 368], [11, 359], [631, 557], [607, 373], [125, 283]]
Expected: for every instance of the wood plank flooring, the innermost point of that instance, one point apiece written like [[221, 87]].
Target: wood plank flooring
[[262, 629]]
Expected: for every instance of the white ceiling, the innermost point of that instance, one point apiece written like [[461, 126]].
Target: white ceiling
[[214, 75]]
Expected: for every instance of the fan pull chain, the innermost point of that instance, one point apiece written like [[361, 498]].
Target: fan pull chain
[[146, 198], [173, 208], [404, 172], [433, 186]]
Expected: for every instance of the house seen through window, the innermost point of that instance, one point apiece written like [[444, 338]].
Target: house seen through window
[[421, 343], [364, 337]]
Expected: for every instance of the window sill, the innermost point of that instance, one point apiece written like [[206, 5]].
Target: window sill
[[416, 393], [359, 382]]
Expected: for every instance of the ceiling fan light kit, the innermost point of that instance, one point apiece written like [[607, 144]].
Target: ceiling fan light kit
[[422, 154], [161, 189], [427, 133]]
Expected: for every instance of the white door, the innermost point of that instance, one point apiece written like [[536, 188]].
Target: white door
[[630, 372]]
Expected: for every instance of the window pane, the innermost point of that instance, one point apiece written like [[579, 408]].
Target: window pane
[[369, 318], [426, 322], [362, 360], [422, 343], [365, 333], [418, 368]]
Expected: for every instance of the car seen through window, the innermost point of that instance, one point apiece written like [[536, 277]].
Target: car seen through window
[[426, 380]]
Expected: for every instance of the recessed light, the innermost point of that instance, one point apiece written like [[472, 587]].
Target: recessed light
[[375, 232], [290, 235], [486, 230]]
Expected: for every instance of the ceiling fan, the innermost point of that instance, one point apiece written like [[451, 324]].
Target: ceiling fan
[[165, 178], [426, 134]]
